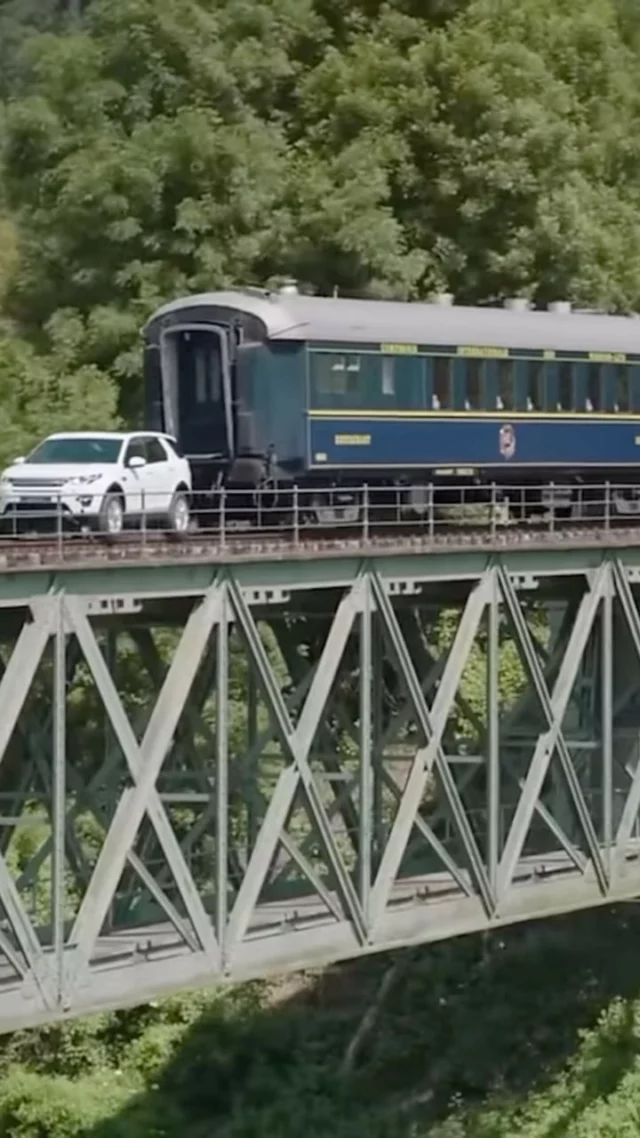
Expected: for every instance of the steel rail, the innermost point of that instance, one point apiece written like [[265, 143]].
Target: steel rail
[[25, 553], [451, 521]]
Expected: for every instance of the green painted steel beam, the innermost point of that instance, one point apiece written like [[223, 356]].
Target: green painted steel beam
[[446, 567], [332, 806]]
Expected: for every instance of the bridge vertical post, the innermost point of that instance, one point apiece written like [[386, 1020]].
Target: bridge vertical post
[[222, 773], [59, 794], [253, 756], [366, 795], [561, 619], [377, 690], [110, 742], [606, 632], [493, 733]]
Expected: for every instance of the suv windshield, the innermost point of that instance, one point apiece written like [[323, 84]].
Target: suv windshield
[[80, 451]]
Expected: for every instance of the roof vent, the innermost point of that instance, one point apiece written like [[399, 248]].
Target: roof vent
[[560, 307], [444, 299], [289, 288], [517, 304]]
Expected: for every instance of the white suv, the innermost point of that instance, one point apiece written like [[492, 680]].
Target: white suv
[[100, 480]]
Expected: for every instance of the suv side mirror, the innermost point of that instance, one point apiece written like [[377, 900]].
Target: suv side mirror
[[136, 462], [18, 460]]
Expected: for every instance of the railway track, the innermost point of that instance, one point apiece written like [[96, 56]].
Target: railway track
[[39, 551]]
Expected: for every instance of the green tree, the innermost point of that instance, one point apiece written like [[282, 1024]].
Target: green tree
[[140, 169], [160, 148], [40, 394], [509, 140]]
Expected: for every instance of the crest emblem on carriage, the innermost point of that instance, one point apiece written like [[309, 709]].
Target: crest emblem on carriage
[[507, 441]]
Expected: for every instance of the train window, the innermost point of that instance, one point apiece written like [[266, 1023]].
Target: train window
[[206, 363], [474, 386], [622, 401], [536, 387], [409, 383], [634, 387], [565, 386], [201, 377], [505, 395], [594, 400], [388, 375], [441, 398], [335, 375]]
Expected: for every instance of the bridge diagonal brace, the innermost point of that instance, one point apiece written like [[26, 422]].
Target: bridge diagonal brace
[[157, 671], [347, 807], [13, 957], [16, 681], [84, 799], [148, 880], [549, 661], [554, 707], [333, 809], [433, 840], [576, 855], [432, 726], [427, 684], [24, 932], [422, 653], [37, 745], [263, 852], [632, 804], [22, 666], [297, 743], [144, 762], [309, 872]]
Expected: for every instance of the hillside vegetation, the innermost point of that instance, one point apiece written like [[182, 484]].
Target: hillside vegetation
[[485, 147], [489, 147], [535, 1034]]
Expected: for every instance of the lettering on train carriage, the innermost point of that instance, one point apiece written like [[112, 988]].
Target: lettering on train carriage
[[481, 352], [352, 440], [608, 357], [399, 349]]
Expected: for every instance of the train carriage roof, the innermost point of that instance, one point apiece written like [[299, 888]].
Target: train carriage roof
[[288, 316]]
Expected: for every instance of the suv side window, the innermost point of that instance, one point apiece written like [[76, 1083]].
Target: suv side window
[[155, 451], [135, 449]]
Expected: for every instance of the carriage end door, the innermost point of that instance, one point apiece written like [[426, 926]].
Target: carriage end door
[[197, 390]]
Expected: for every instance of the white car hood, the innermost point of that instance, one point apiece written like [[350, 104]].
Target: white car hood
[[53, 474]]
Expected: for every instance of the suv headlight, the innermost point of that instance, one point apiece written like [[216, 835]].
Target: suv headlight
[[84, 479]]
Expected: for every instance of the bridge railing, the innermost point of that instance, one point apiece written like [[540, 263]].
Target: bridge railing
[[429, 515]]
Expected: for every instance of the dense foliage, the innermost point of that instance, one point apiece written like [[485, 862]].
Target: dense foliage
[[154, 146], [488, 147]]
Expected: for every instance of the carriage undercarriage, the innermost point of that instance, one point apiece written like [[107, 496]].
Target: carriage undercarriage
[[419, 504]]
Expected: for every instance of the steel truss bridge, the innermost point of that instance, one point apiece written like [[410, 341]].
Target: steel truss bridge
[[215, 767]]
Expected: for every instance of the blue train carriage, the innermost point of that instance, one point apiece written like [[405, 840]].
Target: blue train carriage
[[278, 389]]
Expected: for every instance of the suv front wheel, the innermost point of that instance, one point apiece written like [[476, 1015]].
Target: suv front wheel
[[179, 514], [111, 517]]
